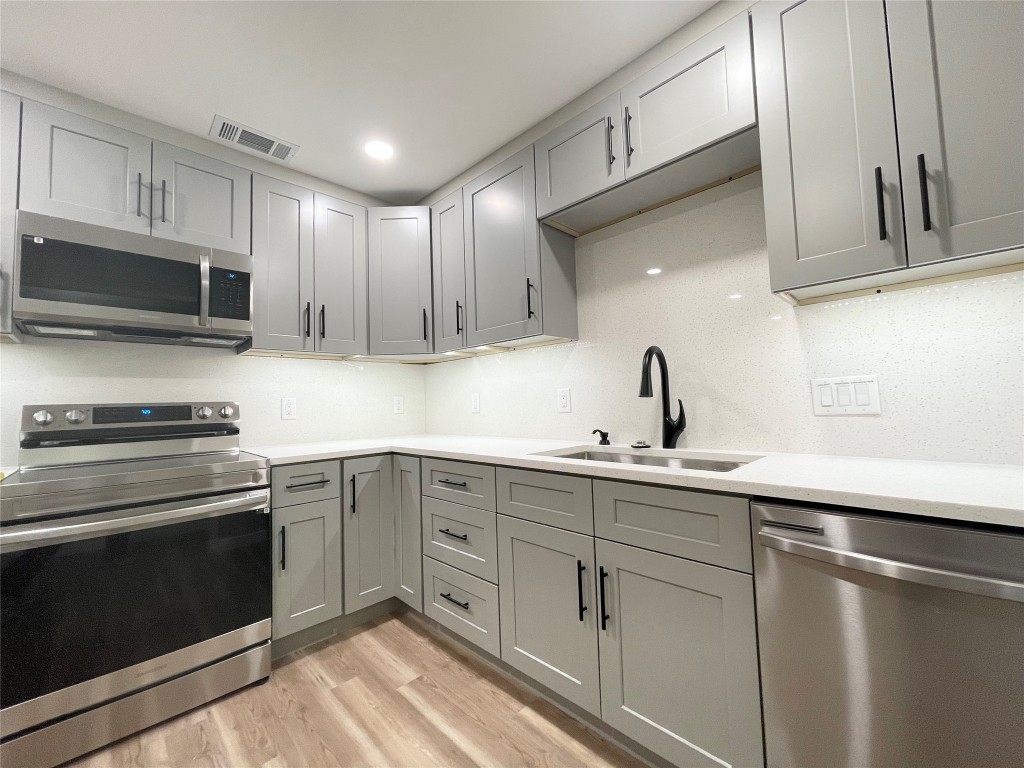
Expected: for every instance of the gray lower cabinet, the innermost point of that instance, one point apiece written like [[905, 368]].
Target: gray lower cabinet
[[449, 258], [399, 280], [678, 657], [466, 605], [564, 501], [549, 609], [76, 168], [958, 80], [199, 200], [307, 565], [460, 481], [339, 277], [461, 536], [10, 138], [369, 532], [831, 175], [408, 545], [701, 95]]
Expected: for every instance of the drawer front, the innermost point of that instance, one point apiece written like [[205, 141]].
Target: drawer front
[[301, 483], [471, 484], [699, 526], [563, 501], [462, 536], [466, 605]]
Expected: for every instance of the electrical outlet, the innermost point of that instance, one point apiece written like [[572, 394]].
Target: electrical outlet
[[564, 400], [474, 403], [289, 408], [399, 404]]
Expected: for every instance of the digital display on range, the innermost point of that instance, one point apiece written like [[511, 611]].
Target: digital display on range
[[134, 413]]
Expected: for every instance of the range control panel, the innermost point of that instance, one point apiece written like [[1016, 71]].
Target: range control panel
[[35, 418]]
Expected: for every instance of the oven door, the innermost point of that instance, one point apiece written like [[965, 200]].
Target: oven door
[[95, 606]]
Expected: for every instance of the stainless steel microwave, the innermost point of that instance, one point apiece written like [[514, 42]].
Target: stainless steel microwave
[[75, 280]]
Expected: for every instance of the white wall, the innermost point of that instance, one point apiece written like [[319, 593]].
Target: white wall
[[949, 358], [336, 400]]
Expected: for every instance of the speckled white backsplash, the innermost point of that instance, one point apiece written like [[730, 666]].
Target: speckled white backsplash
[[949, 358], [336, 400]]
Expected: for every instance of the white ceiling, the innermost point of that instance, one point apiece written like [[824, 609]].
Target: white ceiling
[[446, 82]]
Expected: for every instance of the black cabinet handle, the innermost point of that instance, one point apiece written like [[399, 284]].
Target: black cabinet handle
[[580, 568], [882, 235], [446, 481], [458, 318], [353, 481], [459, 536], [283, 547], [529, 302], [138, 197], [163, 201], [323, 321], [448, 596], [604, 611], [424, 323], [293, 486], [306, 319], [611, 149], [926, 208], [629, 139]]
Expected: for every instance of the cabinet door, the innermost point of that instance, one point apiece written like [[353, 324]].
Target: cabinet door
[[828, 141], [702, 95], [502, 253], [340, 277], [679, 657], [369, 511], [76, 168], [399, 280], [199, 200], [581, 158], [408, 544], [958, 76], [307, 565], [548, 604], [449, 257], [10, 137], [282, 261]]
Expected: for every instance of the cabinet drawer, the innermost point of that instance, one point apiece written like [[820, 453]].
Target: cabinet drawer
[[461, 536], [466, 605], [457, 481], [700, 526], [299, 483], [563, 501]]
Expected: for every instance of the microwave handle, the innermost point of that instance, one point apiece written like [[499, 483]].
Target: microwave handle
[[204, 289]]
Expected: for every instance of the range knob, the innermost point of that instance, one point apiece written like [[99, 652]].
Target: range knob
[[76, 416], [226, 412], [42, 418], [205, 412]]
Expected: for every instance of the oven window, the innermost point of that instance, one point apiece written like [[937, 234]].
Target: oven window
[[55, 270], [74, 611]]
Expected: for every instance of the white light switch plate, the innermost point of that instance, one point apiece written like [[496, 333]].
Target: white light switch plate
[[289, 408], [564, 400], [399, 404], [846, 396], [474, 403]]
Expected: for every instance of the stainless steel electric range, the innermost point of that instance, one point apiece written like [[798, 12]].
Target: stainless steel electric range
[[135, 584]]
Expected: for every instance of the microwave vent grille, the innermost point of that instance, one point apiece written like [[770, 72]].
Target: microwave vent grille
[[251, 140]]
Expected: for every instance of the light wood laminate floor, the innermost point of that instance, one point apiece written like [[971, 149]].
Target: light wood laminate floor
[[394, 692]]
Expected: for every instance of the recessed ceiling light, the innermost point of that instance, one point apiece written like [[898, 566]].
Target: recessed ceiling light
[[776, 317], [654, 271], [379, 149], [735, 295]]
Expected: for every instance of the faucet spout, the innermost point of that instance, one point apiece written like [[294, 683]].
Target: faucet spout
[[671, 428]]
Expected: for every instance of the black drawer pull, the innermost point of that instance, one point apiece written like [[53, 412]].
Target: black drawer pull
[[293, 486], [459, 536], [580, 568], [880, 202], [446, 481], [604, 612], [926, 208], [353, 481], [448, 596], [283, 547]]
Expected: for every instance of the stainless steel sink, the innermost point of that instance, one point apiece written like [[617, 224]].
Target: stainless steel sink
[[653, 460]]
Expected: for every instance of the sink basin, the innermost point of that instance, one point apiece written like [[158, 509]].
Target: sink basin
[[654, 460]]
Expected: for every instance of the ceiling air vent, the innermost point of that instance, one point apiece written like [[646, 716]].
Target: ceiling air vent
[[250, 140]]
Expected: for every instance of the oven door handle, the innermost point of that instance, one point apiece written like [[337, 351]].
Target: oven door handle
[[108, 523]]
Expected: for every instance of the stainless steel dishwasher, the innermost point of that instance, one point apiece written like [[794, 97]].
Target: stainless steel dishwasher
[[887, 643]]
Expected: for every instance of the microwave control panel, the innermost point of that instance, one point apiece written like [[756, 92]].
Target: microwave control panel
[[229, 293]]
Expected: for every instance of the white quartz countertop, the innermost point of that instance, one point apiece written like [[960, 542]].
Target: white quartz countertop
[[981, 493]]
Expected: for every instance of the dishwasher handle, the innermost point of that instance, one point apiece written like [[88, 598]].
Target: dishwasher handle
[[894, 569]]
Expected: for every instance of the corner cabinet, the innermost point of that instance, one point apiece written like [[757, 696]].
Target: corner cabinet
[[520, 274], [400, 300], [449, 259], [369, 532]]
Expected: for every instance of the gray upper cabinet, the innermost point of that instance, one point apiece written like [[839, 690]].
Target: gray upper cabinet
[[698, 97], [828, 141], [307, 565], [340, 277], [958, 79], [449, 258], [549, 609], [282, 251], [400, 300], [580, 158], [81, 169], [369, 532], [408, 545], [199, 200], [679, 657], [10, 136]]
